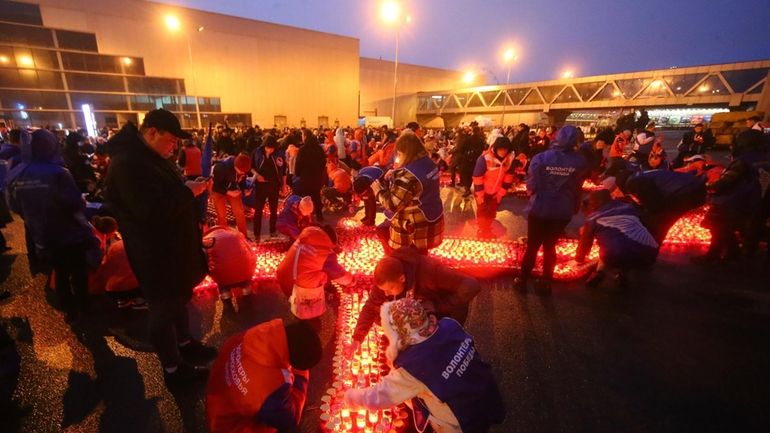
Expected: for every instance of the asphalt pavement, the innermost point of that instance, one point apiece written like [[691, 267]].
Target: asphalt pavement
[[683, 349]]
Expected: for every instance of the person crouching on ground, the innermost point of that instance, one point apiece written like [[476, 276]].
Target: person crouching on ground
[[406, 273], [492, 177], [362, 184], [226, 188], [259, 381], [452, 396], [297, 214], [624, 243]]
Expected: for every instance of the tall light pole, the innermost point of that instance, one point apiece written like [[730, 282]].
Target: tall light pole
[[508, 58], [174, 25], [390, 11]]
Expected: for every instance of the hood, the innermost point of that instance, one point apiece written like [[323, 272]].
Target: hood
[[44, 147], [316, 237], [266, 344], [340, 133], [566, 139], [123, 140]]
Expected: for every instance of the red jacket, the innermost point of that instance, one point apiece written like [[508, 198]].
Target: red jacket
[[315, 248], [192, 161], [115, 273], [250, 367], [231, 259]]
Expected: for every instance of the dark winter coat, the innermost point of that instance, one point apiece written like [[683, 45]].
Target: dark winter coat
[[158, 218]]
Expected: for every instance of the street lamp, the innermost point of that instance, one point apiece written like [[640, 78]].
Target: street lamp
[[569, 73], [174, 25], [390, 12], [509, 56], [468, 77]]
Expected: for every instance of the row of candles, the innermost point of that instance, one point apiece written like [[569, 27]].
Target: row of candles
[[357, 369], [361, 250]]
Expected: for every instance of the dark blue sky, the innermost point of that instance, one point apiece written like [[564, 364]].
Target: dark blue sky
[[589, 36]]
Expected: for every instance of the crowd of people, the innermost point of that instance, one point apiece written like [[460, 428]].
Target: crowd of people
[[105, 213]]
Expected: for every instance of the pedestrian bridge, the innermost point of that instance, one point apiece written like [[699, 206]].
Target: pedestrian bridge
[[735, 85]]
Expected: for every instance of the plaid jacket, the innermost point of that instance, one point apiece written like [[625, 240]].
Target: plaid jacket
[[408, 227]]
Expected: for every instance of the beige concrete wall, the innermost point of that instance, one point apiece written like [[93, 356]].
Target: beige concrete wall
[[254, 67], [377, 87]]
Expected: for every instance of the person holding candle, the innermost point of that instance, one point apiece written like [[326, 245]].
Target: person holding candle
[[492, 177], [411, 199], [445, 292], [362, 187], [436, 371]]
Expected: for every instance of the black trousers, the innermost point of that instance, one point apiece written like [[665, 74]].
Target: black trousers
[[265, 192], [370, 206], [71, 276], [169, 325], [543, 232]]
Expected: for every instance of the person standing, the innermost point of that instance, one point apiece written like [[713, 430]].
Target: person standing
[[45, 195], [618, 149], [270, 177], [159, 220], [190, 160], [554, 182], [310, 171]]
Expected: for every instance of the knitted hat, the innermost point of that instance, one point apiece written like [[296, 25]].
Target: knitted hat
[[405, 323], [242, 163], [306, 205]]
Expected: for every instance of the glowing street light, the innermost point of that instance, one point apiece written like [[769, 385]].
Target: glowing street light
[[4, 59], [569, 73], [468, 77], [390, 12], [173, 24], [509, 56], [127, 61]]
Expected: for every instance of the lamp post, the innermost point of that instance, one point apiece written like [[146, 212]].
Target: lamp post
[[508, 58], [174, 25], [390, 11]]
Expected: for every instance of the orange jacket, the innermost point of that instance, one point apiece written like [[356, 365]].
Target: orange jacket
[[618, 146], [115, 273], [192, 161], [250, 367], [314, 247]]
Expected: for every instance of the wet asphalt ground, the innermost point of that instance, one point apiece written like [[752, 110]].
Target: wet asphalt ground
[[683, 349]]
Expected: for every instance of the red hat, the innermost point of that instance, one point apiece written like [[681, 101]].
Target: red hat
[[242, 163]]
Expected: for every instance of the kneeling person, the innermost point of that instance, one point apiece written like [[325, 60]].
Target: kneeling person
[[259, 381], [445, 292], [451, 395], [624, 243]]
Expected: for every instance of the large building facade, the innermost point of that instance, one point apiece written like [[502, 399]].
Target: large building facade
[[121, 58]]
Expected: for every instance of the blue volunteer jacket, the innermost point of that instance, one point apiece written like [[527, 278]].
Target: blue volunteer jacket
[[429, 202], [554, 181], [623, 240], [448, 364]]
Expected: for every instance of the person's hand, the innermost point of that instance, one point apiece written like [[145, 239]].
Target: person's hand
[[260, 178], [196, 187], [388, 175], [234, 193], [352, 349]]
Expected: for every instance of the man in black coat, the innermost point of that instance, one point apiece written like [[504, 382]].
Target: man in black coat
[[310, 171], [158, 218]]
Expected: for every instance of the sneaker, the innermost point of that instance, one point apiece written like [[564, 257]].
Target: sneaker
[[520, 285], [543, 288], [138, 304], [124, 303], [225, 294], [197, 352], [185, 374], [595, 279]]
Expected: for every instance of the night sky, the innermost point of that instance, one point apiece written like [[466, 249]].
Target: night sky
[[589, 37]]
